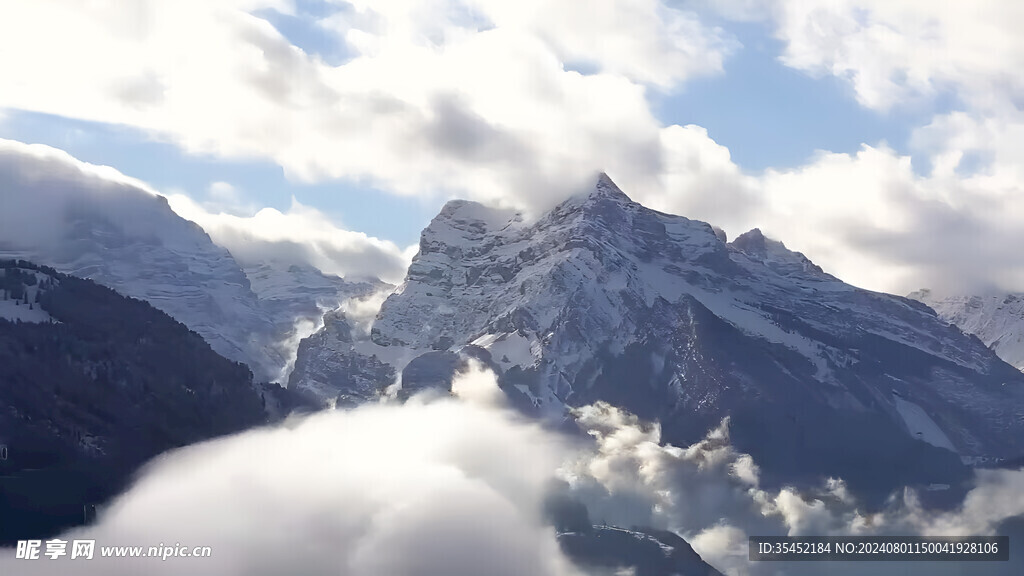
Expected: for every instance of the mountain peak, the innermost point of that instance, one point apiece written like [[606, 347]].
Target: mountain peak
[[606, 188], [752, 242], [604, 198], [774, 254]]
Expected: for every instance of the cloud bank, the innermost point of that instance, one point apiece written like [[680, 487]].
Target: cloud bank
[[40, 186], [444, 487], [302, 235], [457, 485], [709, 493]]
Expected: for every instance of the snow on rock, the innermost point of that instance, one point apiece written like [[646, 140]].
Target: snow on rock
[[24, 309], [604, 299], [10, 310], [921, 425], [997, 320]]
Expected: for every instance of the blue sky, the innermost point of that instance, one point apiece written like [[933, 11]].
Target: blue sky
[[845, 128], [772, 116]]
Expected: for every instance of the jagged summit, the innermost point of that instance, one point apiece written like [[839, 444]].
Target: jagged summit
[[606, 188], [471, 217], [603, 192], [752, 242], [774, 255]]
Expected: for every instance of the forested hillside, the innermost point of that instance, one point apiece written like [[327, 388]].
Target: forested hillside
[[92, 384]]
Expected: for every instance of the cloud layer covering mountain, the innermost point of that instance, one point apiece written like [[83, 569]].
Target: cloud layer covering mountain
[[366, 492]]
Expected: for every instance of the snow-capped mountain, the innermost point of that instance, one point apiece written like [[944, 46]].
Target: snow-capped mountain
[[604, 299], [997, 320], [88, 223], [174, 266]]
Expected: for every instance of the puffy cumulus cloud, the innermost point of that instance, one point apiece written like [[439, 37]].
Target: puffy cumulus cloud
[[478, 384], [632, 479], [709, 493], [895, 51], [698, 179], [870, 218], [361, 311], [441, 487], [444, 485], [302, 235], [225, 197], [476, 98]]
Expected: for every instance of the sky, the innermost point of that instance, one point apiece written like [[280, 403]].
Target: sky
[[882, 138]]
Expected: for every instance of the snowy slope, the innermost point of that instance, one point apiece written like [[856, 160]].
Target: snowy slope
[[289, 292], [91, 222], [602, 298], [997, 320], [295, 299], [22, 309], [175, 267]]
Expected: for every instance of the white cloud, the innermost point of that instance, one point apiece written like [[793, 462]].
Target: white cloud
[[709, 493], [403, 489], [443, 97], [302, 235], [223, 192], [869, 217], [892, 51], [383, 489], [39, 185], [478, 99], [478, 384], [360, 312]]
